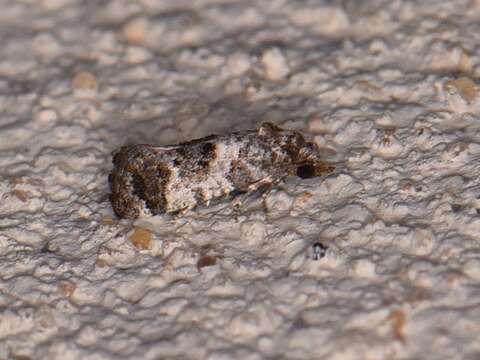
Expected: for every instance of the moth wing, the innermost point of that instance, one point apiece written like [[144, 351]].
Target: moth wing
[[167, 148]]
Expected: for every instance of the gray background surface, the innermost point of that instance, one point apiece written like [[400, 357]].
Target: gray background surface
[[386, 88]]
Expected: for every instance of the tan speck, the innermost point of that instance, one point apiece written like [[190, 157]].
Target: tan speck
[[366, 85], [141, 239], [398, 324], [134, 31], [20, 194], [66, 288], [84, 80], [106, 220], [465, 87], [303, 199], [465, 63], [101, 263]]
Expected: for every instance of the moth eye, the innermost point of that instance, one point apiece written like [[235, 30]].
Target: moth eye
[[306, 171], [311, 145]]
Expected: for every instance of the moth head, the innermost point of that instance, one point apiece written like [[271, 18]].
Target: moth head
[[307, 152]]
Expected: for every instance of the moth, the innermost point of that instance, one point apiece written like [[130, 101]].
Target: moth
[[149, 180]]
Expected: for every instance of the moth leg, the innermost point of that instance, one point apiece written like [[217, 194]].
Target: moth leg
[[238, 201], [177, 214], [261, 187], [265, 192]]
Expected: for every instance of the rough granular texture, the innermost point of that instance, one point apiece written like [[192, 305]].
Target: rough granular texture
[[387, 91]]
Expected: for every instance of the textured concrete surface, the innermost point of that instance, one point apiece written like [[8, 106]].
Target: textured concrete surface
[[387, 88]]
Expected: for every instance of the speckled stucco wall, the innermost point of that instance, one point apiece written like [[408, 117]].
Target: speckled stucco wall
[[388, 90]]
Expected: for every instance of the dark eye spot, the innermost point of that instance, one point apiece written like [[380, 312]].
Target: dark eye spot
[[306, 171]]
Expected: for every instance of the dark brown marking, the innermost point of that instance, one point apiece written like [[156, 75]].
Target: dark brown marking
[[202, 163], [119, 158], [156, 179], [138, 186], [208, 150], [206, 260]]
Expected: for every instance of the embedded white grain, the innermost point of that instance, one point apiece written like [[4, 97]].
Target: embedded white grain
[[275, 64], [388, 89]]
